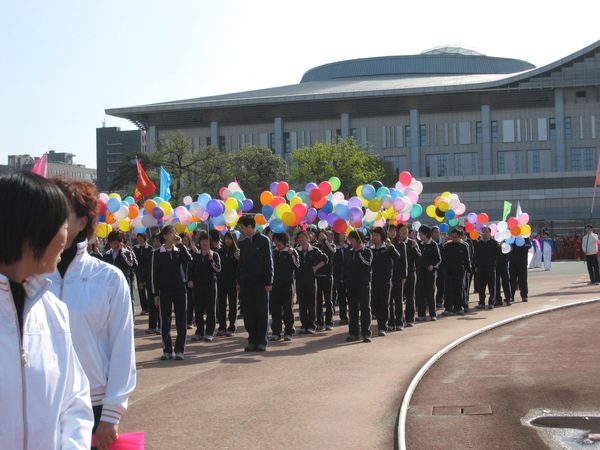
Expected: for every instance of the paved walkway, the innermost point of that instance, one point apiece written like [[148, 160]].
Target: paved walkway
[[316, 391]]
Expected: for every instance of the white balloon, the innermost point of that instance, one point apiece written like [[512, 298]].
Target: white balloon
[[323, 224], [505, 247], [233, 187], [416, 225], [187, 200], [122, 212], [502, 226], [417, 186]]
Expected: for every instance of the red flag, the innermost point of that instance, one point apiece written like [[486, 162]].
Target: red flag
[[41, 166], [598, 174], [144, 185]]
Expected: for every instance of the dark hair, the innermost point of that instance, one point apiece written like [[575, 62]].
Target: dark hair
[[282, 237], [158, 236], [458, 231], [247, 220], [142, 235], [202, 236], [391, 226], [165, 231], [589, 225], [231, 236], [41, 209], [215, 235], [425, 230], [83, 198], [303, 232], [380, 231], [358, 235], [115, 235]]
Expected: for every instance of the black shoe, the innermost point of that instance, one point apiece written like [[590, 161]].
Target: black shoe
[[352, 338], [250, 348], [343, 321], [507, 303], [480, 307], [524, 300], [260, 348], [366, 339]]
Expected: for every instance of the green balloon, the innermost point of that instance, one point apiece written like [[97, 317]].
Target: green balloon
[[335, 183]]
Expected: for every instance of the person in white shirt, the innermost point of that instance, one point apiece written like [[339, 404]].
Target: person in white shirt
[[44, 392], [589, 245], [98, 298]]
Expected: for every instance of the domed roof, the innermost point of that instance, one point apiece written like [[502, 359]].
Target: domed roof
[[444, 60]]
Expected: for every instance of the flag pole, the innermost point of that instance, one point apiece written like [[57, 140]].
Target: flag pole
[[595, 186]]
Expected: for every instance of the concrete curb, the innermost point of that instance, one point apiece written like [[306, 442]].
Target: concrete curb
[[401, 425]]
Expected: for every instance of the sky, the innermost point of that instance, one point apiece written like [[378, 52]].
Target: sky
[[64, 62]]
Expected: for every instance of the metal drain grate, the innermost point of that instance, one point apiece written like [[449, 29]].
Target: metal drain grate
[[461, 410]]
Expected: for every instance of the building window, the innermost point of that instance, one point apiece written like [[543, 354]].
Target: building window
[[535, 154], [287, 143], [272, 141], [568, 128], [222, 142], [407, 136], [208, 142], [552, 128], [436, 165], [582, 159], [479, 132], [580, 94], [494, 131], [423, 135], [501, 169], [353, 133], [338, 135]]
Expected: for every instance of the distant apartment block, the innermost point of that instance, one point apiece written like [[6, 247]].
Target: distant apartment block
[[112, 148]]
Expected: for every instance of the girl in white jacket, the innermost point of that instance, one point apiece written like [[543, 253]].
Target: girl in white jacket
[[44, 392]]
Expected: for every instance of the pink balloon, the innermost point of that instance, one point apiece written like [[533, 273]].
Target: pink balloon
[[523, 219], [413, 197], [460, 210]]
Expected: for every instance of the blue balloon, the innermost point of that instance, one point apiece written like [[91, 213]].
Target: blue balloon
[[328, 207], [341, 211], [140, 230], [247, 205], [267, 211], [510, 240], [217, 220], [520, 241], [444, 227], [203, 199], [368, 192], [397, 194], [113, 204], [277, 226]]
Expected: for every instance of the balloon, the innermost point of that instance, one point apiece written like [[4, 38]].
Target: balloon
[[417, 186], [525, 230], [315, 195], [310, 186], [148, 221], [103, 230], [444, 227], [505, 247], [355, 214], [341, 211], [479, 227], [520, 241], [134, 211], [122, 212], [277, 201], [231, 203], [304, 197], [290, 194], [225, 193], [368, 192], [167, 208], [355, 202], [381, 192], [102, 196], [101, 206], [203, 199], [413, 197], [523, 219], [137, 222], [474, 235], [469, 227], [215, 207], [472, 218], [321, 203], [453, 203], [187, 200], [277, 226], [453, 222], [266, 198], [335, 183], [512, 222], [282, 188], [288, 218], [374, 204], [115, 195], [331, 218], [260, 219], [337, 197], [157, 212], [218, 220], [230, 216], [443, 206], [300, 210], [502, 226], [482, 218], [405, 178], [450, 214], [430, 211], [196, 209], [273, 188], [416, 211], [339, 226], [311, 215], [247, 205], [416, 225], [325, 187], [113, 204], [322, 224], [239, 196], [515, 231], [267, 212], [398, 204], [158, 200], [186, 218]]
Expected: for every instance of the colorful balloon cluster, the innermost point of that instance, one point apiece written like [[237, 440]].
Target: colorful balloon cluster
[[514, 230], [448, 207]]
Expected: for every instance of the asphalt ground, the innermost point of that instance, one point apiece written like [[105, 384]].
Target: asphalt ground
[[319, 391]]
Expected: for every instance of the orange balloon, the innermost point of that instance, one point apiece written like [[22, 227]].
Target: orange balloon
[[474, 235], [260, 219], [149, 205], [110, 218], [266, 198], [320, 203], [134, 211], [515, 231]]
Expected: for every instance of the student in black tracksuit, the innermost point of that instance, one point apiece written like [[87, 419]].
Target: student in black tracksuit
[[384, 258], [168, 285], [141, 251], [413, 254], [285, 262], [457, 263], [468, 242], [227, 306], [202, 275], [487, 251], [153, 312], [399, 274], [255, 282], [339, 280], [123, 258], [325, 283], [358, 273], [518, 269], [426, 270], [503, 279], [311, 260]]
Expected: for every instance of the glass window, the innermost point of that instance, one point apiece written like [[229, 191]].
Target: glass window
[[536, 161], [494, 131], [588, 158], [479, 132], [568, 129], [287, 147], [575, 159], [221, 142], [423, 135], [552, 127], [583, 159], [501, 169], [353, 133], [407, 136], [272, 141], [208, 142]]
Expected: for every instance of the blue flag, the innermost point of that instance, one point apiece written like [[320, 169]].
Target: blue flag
[[165, 184]]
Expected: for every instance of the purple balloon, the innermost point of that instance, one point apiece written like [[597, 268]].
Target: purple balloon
[[479, 227], [355, 202], [331, 218], [247, 205], [311, 215], [322, 214], [215, 207], [273, 188], [472, 217], [310, 187], [355, 214], [158, 212]]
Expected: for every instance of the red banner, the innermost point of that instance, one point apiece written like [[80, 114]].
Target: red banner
[[144, 185]]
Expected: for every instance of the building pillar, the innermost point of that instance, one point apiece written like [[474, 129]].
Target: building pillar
[[151, 139], [345, 119], [215, 131], [415, 157], [278, 124], [486, 128], [559, 117]]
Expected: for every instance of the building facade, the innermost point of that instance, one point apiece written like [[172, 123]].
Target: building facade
[[112, 148], [59, 163], [489, 129]]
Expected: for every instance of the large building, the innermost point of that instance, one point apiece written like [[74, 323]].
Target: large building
[[489, 129], [58, 163], [112, 148]]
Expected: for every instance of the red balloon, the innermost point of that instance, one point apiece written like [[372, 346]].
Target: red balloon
[[512, 222], [282, 188], [469, 227], [340, 226], [101, 206], [300, 209], [277, 201], [320, 203], [483, 218], [405, 178], [325, 187], [315, 195]]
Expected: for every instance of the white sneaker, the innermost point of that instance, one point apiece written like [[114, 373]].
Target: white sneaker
[[197, 337]]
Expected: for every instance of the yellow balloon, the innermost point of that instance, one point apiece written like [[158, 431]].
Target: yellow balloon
[[114, 195], [446, 195], [179, 227], [365, 202], [430, 211], [295, 200], [288, 218], [103, 230], [167, 208], [525, 230], [374, 204], [359, 191], [230, 216], [444, 206], [124, 225], [281, 209], [231, 203]]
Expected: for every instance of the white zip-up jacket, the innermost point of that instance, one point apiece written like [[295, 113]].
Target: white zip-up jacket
[[99, 303], [44, 392]]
